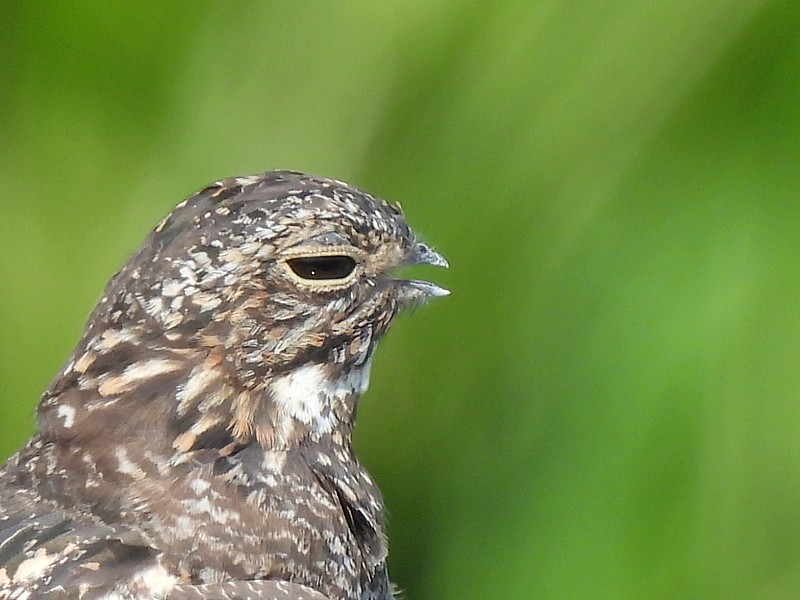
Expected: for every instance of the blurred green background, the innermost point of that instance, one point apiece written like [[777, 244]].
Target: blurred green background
[[608, 406]]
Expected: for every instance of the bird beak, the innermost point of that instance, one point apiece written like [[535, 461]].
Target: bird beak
[[425, 255]]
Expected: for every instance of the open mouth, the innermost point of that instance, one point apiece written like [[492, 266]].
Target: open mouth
[[425, 255]]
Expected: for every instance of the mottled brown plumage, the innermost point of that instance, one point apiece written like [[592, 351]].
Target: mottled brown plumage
[[197, 443]]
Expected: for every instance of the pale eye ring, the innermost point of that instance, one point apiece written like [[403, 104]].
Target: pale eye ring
[[322, 268]]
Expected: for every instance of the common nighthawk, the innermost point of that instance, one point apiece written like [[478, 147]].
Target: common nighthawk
[[197, 443]]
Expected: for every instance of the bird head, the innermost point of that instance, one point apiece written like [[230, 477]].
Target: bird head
[[252, 309]]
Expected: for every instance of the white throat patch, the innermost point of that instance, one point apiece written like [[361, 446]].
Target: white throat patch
[[310, 397]]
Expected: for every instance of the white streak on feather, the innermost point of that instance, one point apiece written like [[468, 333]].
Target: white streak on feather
[[35, 567], [112, 337], [202, 506], [155, 581], [199, 486], [67, 412], [150, 368], [119, 384], [126, 466], [199, 380]]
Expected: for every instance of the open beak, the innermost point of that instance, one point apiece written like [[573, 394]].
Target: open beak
[[425, 255]]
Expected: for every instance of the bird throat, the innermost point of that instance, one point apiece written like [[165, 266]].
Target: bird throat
[[317, 401]]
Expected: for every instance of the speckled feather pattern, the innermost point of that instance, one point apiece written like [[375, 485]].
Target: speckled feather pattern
[[197, 442]]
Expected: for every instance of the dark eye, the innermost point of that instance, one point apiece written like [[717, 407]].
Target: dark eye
[[322, 267]]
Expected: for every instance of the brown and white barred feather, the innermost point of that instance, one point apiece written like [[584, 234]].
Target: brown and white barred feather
[[197, 443]]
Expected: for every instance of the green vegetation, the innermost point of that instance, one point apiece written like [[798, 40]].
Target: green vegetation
[[608, 406]]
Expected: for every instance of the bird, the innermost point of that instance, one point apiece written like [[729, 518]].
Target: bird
[[197, 443]]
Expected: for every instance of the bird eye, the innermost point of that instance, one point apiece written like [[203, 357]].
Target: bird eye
[[319, 268]]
